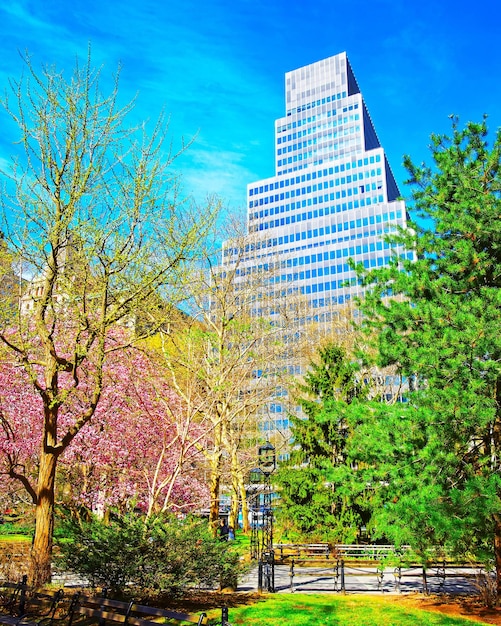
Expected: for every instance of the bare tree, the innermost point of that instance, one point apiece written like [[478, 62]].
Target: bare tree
[[231, 361], [91, 206]]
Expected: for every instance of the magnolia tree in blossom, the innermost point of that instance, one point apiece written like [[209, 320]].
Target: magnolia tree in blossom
[[135, 450]]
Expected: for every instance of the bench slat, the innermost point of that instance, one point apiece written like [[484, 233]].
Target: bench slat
[[156, 612], [105, 609]]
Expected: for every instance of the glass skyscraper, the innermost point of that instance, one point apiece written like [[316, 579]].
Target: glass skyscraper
[[333, 195]]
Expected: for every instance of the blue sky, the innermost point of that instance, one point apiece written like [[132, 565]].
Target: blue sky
[[217, 69]]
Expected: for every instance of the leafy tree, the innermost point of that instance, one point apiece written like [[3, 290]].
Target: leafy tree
[[310, 481], [92, 208], [434, 462]]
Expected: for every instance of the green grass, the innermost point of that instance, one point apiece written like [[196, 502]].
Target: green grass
[[15, 537], [331, 610], [12, 529], [242, 542]]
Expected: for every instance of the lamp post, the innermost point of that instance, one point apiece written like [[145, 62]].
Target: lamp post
[[262, 517]]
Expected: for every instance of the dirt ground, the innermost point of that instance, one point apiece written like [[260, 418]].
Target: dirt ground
[[468, 607], [456, 606]]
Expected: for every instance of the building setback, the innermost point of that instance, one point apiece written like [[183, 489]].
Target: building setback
[[333, 195]]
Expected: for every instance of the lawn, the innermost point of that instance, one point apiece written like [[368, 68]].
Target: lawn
[[15, 537], [330, 610]]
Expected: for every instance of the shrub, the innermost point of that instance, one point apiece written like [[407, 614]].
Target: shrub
[[158, 554]]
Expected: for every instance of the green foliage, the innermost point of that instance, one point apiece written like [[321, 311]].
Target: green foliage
[[433, 463], [159, 554], [312, 501]]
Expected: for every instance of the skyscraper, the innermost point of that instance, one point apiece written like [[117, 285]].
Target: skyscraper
[[333, 194], [332, 197]]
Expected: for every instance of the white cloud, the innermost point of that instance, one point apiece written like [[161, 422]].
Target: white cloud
[[207, 172]]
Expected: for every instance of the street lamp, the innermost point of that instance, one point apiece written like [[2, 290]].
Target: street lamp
[[256, 480], [262, 516], [267, 459]]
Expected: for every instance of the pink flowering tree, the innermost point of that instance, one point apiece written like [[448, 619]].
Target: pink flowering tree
[[138, 449], [135, 450]]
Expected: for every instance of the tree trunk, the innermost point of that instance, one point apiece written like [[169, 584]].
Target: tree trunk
[[41, 550], [495, 459], [235, 487], [215, 478], [497, 552], [214, 486], [235, 502]]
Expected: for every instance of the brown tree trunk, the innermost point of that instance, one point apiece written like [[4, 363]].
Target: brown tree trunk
[[235, 502], [497, 552], [235, 488], [214, 487], [495, 455], [41, 550], [215, 478]]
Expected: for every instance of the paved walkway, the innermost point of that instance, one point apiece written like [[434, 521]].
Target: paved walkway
[[359, 579]]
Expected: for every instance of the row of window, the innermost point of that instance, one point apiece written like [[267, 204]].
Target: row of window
[[314, 199], [320, 140], [335, 208], [308, 234], [327, 149], [326, 152], [333, 182], [332, 270], [342, 284], [345, 147], [273, 243], [338, 253], [321, 129], [341, 268], [296, 180], [330, 300], [302, 165], [326, 270], [315, 103], [311, 259], [321, 302]]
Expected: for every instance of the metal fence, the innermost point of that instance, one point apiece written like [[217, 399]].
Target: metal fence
[[372, 568], [350, 576]]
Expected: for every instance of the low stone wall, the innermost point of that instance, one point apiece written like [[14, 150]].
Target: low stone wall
[[14, 559]]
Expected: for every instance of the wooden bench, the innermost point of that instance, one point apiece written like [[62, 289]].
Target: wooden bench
[[302, 551], [37, 608], [12, 596], [89, 610], [368, 552]]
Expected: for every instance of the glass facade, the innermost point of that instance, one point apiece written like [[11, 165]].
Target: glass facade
[[332, 198], [333, 195]]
